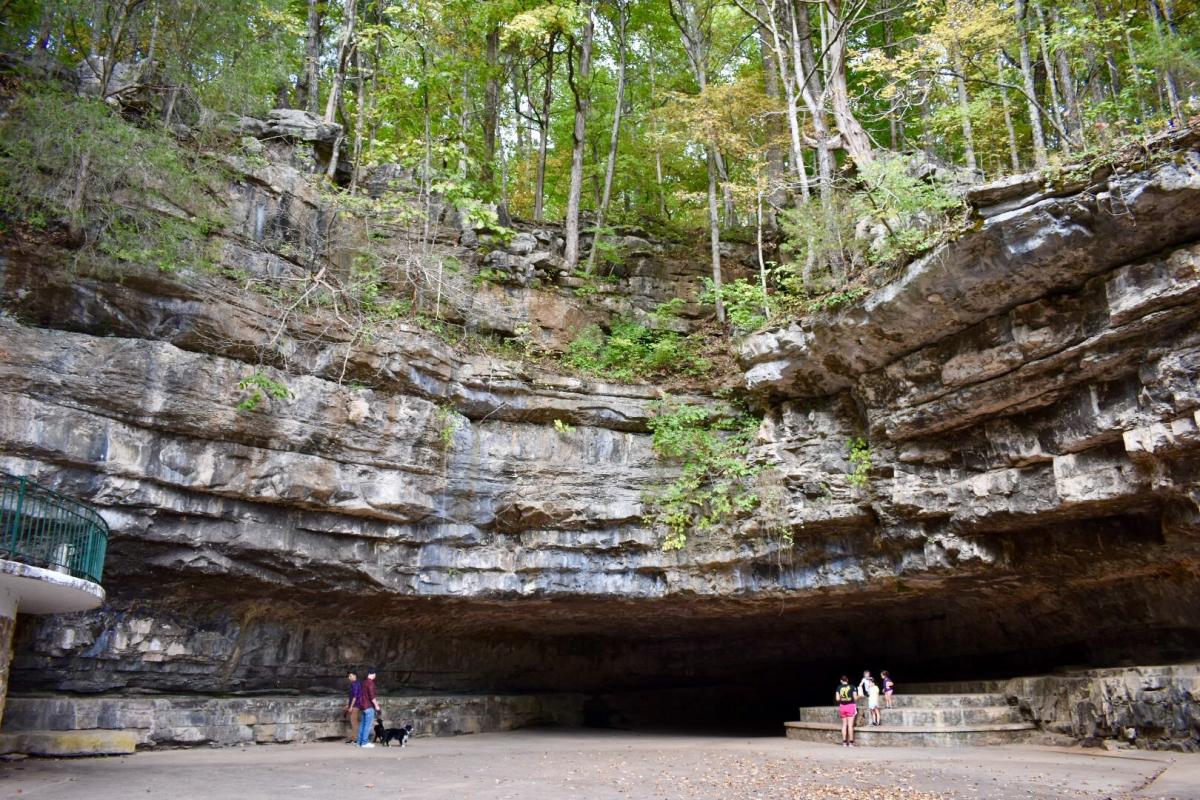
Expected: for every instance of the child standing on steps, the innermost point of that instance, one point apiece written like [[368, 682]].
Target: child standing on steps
[[873, 701], [843, 697], [889, 686]]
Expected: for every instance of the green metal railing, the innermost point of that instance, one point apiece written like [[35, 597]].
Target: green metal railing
[[50, 530]]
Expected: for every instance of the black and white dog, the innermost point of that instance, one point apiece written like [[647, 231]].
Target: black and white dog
[[386, 736]]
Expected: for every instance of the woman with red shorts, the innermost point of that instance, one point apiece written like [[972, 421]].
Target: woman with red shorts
[[844, 698]]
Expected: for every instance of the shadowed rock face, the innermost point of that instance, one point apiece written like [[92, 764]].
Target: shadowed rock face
[[1031, 502]]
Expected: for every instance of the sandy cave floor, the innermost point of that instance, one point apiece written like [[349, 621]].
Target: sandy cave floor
[[579, 764]]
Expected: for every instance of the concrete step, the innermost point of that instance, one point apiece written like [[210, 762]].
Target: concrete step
[[952, 700], [955, 687], [918, 736], [917, 717]]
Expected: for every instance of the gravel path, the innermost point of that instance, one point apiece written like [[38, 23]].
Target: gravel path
[[587, 765]]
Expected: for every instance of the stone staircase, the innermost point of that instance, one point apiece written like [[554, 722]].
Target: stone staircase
[[923, 719]]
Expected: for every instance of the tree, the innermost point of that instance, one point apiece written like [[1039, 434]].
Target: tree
[[579, 91], [532, 39], [614, 137], [309, 88], [1021, 9], [694, 20]]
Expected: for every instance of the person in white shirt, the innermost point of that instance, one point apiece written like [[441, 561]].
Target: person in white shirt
[[873, 702]]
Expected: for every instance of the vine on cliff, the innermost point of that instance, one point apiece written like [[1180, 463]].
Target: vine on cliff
[[258, 387], [716, 482], [860, 458]]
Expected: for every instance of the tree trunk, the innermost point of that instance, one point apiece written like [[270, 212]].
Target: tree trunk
[[464, 127], [519, 119], [115, 39], [729, 212], [658, 165], [1158, 15], [491, 105], [595, 177], [964, 109], [1066, 84], [579, 90], [360, 112], [1135, 76], [1051, 81], [714, 233], [343, 61], [97, 34], [1013, 152], [696, 43], [762, 262], [150, 49], [309, 90], [775, 70], [804, 65], [614, 137], [539, 199], [854, 137], [775, 168], [924, 116], [75, 229], [889, 43], [1035, 115]]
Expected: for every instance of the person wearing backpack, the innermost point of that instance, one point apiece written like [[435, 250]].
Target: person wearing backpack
[[843, 698]]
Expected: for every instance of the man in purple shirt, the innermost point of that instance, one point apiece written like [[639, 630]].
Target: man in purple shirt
[[352, 711], [368, 704]]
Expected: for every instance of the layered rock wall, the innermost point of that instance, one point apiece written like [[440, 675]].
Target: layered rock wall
[[1027, 393], [181, 721]]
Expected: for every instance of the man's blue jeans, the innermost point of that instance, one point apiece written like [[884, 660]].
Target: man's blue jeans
[[364, 727]]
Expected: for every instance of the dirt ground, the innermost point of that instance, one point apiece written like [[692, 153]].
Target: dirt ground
[[579, 764]]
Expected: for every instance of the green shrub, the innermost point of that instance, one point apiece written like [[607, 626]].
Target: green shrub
[[447, 425], [908, 215], [257, 387], [747, 307], [630, 350], [66, 161], [716, 482], [833, 300], [860, 460]]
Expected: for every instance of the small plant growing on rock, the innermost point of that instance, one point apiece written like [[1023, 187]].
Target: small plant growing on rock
[[447, 422], [745, 303], [563, 428], [489, 275], [631, 350], [834, 300], [716, 482], [860, 459], [258, 387], [668, 311]]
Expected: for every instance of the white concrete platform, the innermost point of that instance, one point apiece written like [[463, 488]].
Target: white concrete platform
[[47, 591]]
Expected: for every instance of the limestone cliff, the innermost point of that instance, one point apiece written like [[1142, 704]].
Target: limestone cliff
[[1028, 394]]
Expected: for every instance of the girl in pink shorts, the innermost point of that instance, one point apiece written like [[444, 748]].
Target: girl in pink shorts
[[847, 707]]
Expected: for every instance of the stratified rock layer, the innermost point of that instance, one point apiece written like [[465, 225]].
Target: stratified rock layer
[[1028, 395]]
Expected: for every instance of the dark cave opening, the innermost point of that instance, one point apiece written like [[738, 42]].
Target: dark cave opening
[[1104, 595]]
